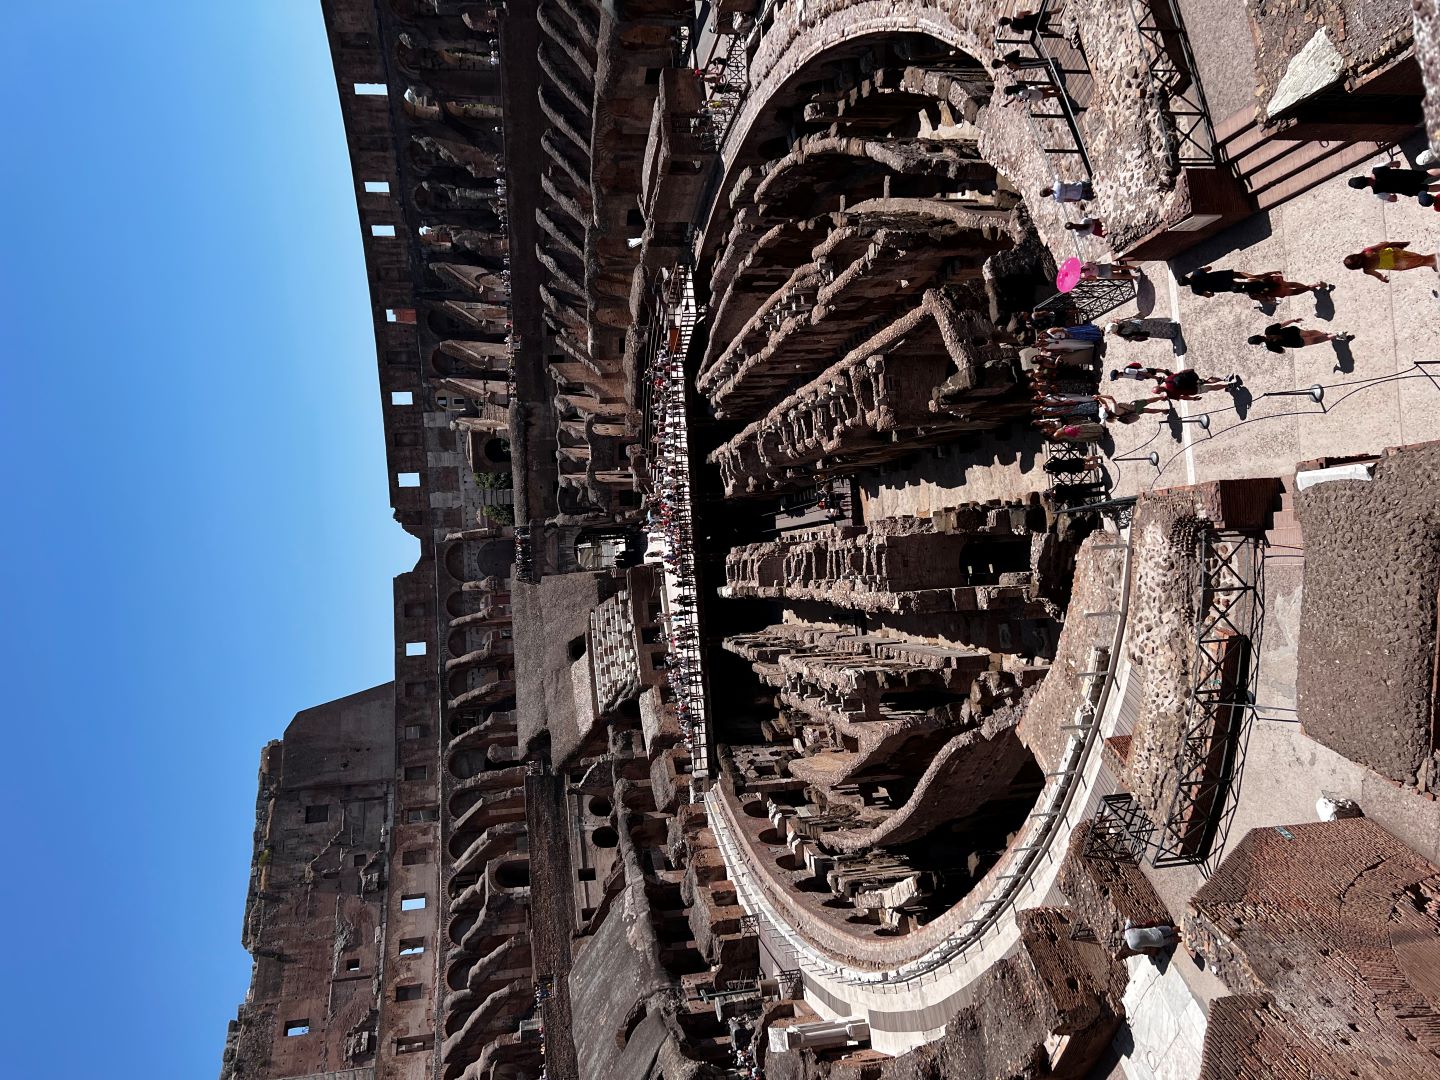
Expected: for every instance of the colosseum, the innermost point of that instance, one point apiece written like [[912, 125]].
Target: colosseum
[[930, 529]]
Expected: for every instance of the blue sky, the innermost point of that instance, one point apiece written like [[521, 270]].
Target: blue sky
[[197, 538]]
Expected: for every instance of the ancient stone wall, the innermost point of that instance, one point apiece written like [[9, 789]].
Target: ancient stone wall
[[976, 558], [1055, 986], [1372, 559], [874, 405], [1362, 35], [316, 907], [1108, 894], [1336, 922]]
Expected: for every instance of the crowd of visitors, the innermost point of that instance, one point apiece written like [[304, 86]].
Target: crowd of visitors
[[670, 522]]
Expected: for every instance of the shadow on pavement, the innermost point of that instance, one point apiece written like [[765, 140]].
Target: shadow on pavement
[[1344, 358], [1172, 422], [1145, 297], [1242, 399]]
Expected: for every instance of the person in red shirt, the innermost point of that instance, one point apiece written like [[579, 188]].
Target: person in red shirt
[[1078, 433], [1188, 384]]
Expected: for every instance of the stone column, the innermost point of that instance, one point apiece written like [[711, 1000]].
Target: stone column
[[818, 1035]]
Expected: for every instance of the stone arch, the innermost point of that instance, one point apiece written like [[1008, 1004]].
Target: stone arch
[[455, 561], [460, 603], [457, 977], [443, 324], [497, 450], [456, 644], [790, 54], [465, 679], [459, 926], [512, 873]]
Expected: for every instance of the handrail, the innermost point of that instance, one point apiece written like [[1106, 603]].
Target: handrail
[[1198, 134], [1034, 40]]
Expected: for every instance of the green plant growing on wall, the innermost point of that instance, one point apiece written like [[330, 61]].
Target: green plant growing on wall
[[492, 481], [499, 515]]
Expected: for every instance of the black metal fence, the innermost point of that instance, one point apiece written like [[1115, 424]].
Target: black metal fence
[[1230, 611], [1175, 82]]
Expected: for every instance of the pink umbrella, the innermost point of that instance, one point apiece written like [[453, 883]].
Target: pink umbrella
[[1069, 275]]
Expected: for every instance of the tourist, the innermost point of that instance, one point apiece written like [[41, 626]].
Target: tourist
[[1136, 329], [1022, 22], [1127, 412], [1082, 331], [1388, 184], [1070, 339], [1188, 384], [1029, 92], [1069, 191], [1281, 336], [1272, 285], [1013, 61], [1057, 341], [1076, 433], [1071, 408], [1207, 282], [1120, 270], [1149, 939], [1089, 225], [1139, 372], [1389, 255], [1071, 466], [1062, 397]]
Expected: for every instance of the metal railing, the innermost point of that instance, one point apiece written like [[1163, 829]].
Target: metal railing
[[1230, 612], [1045, 43], [673, 318], [1091, 300], [1064, 484], [1175, 81], [725, 65], [526, 567]]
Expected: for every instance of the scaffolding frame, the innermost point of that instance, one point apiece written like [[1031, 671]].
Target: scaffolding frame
[[1120, 830], [1230, 612]]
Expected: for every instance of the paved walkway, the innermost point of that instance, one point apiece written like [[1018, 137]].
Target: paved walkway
[[1394, 325], [1165, 1033]]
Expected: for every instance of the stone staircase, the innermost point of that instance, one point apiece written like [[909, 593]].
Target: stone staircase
[[1274, 169]]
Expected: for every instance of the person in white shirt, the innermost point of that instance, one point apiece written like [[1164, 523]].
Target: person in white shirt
[[1029, 92], [1069, 191], [1149, 939]]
